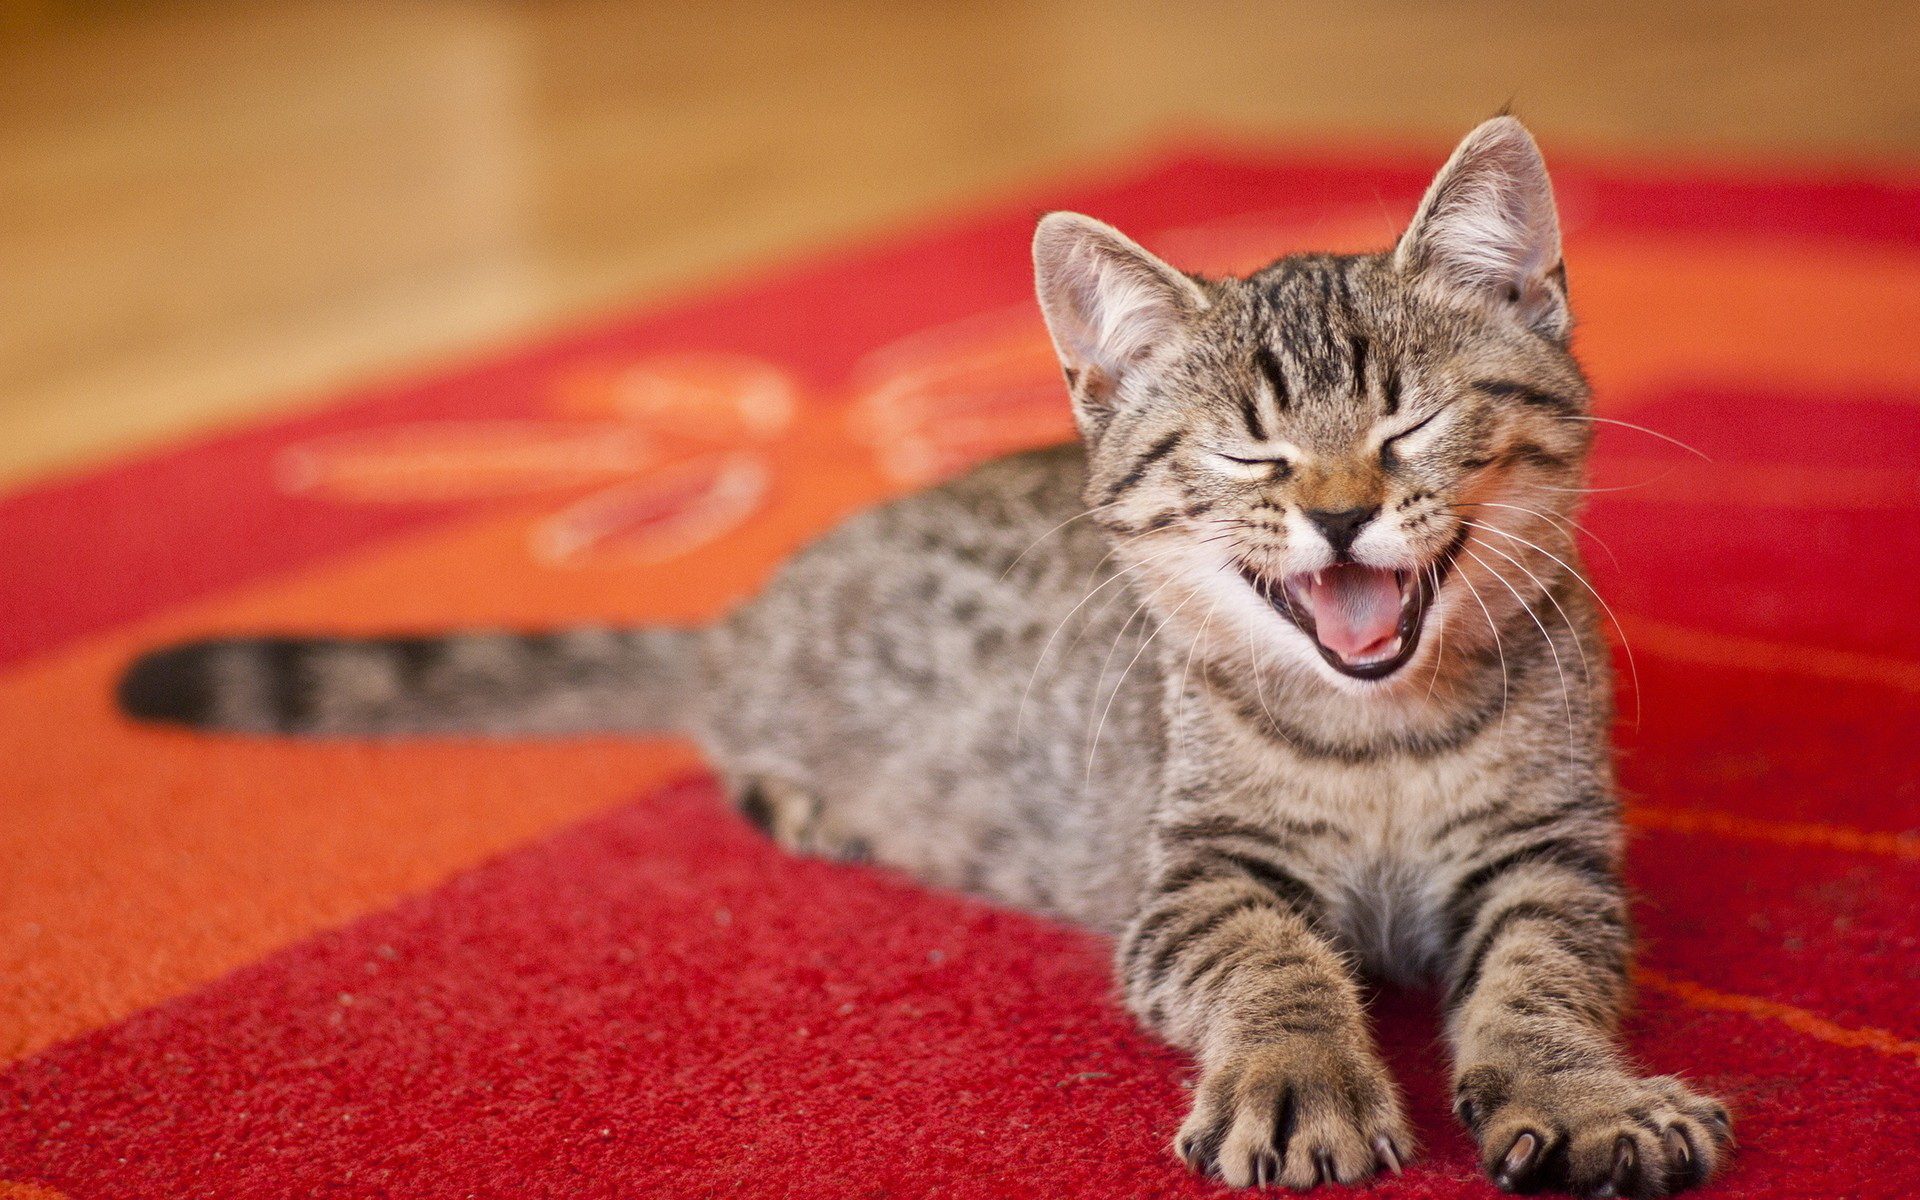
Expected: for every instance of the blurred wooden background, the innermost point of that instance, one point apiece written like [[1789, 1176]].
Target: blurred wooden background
[[209, 209]]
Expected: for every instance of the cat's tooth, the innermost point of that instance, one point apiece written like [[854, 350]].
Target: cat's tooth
[[1392, 649]]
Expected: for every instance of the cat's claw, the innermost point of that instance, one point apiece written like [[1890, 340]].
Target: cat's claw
[[1323, 1166], [1387, 1153], [1266, 1169], [1625, 1179], [1274, 1118], [1518, 1162], [1681, 1158], [1609, 1136]]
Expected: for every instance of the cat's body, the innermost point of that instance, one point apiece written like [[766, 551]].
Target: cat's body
[[1291, 671], [958, 736], [947, 747]]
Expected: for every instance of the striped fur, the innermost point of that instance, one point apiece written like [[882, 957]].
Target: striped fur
[[1082, 681], [500, 683]]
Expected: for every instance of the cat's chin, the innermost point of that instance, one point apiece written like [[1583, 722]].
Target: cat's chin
[[1369, 654]]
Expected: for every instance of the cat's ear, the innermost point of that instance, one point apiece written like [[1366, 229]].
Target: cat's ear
[[1488, 229], [1109, 305]]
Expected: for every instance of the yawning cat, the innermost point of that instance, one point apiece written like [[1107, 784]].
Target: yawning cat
[[1288, 671]]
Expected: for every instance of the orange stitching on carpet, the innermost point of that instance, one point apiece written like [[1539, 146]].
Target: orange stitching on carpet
[[1797, 1019], [1756, 654], [1785, 833]]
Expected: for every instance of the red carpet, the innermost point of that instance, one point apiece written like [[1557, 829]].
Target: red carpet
[[258, 969]]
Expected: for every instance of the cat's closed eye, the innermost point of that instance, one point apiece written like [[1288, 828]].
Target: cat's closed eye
[[1390, 448], [1254, 470]]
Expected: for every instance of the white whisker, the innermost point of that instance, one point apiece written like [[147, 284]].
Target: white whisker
[[1034, 676], [1049, 533], [1260, 687], [1494, 629], [1108, 602], [1440, 633], [1093, 747], [1566, 697], [1187, 672], [1549, 518], [1632, 667], [1118, 544], [1674, 441], [1595, 491], [1586, 668]]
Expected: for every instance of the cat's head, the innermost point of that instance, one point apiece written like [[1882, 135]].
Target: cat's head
[[1340, 454]]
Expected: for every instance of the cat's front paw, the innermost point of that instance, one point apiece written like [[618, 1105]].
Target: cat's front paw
[[1295, 1115], [1595, 1133]]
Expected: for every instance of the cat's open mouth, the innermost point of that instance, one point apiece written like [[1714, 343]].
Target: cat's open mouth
[[1365, 621]]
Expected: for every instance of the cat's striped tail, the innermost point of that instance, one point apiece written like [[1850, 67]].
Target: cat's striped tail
[[486, 684]]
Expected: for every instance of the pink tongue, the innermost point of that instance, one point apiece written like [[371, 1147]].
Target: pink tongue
[[1356, 610]]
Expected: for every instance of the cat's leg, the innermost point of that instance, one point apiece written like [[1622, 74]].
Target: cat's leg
[[797, 818], [1537, 982], [1224, 959]]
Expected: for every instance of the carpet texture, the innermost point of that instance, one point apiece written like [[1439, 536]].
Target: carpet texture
[[247, 968]]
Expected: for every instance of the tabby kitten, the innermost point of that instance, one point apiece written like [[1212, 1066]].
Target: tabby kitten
[[1288, 672]]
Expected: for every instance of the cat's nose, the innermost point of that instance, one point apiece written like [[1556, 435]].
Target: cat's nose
[[1341, 525]]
